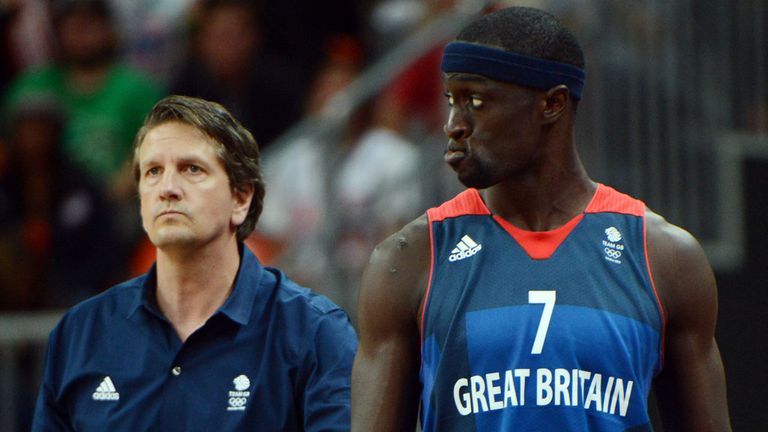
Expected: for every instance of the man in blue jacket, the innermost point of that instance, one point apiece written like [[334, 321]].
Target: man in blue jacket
[[208, 339]]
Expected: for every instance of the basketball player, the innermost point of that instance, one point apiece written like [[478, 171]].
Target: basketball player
[[208, 339], [537, 299]]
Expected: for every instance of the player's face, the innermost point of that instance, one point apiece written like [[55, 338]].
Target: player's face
[[186, 199], [492, 128]]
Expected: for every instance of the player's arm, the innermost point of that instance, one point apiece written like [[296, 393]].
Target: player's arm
[[691, 390], [385, 375]]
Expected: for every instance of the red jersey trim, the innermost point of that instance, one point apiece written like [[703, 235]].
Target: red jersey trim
[[539, 245], [609, 200], [429, 285], [467, 202]]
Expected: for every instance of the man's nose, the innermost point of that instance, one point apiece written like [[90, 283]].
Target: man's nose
[[169, 186], [457, 127]]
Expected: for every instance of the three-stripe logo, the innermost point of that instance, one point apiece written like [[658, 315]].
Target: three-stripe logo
[[106, 391], [465, 248]]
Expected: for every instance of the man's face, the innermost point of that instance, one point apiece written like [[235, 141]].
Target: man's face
[[492, 128], [228, 40], [86, 38], [186, 198]]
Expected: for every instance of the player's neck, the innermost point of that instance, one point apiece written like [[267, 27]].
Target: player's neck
[[192, 286], [543, 201]]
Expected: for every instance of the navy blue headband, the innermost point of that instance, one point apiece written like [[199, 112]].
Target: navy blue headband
[[504, 66]]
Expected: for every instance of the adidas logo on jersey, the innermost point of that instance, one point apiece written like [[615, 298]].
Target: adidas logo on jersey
[[464, 249], [106, 391]]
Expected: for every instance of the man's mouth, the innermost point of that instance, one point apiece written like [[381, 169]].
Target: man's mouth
[[169, 212], [453, 156]]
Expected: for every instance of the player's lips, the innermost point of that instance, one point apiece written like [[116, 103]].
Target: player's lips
[[454, 154]]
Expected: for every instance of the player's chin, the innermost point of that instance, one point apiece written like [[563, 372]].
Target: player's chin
[[474, 179]]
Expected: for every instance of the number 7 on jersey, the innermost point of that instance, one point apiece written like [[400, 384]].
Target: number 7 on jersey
[[547, 298]]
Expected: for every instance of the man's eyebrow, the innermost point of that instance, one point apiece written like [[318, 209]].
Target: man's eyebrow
[[186, 160]]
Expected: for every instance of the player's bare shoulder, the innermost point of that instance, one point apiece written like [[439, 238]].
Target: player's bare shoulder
[[679, 266], [399, 265]]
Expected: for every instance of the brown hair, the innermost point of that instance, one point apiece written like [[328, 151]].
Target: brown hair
[[235, 146]]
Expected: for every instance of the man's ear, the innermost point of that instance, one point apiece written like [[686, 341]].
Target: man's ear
[[556, 100], [242, 204]]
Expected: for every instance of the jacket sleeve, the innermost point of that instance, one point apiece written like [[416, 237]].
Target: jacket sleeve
[[49, 414]]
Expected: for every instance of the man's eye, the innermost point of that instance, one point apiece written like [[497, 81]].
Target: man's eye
[[153, 171], [450, 99], [194, 169], [477, 102]]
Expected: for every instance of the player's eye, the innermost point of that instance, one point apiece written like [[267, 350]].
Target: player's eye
[[476, 102], [450, 99], [153, 171]]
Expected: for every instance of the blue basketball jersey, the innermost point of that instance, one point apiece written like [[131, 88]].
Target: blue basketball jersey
[[539, 331]]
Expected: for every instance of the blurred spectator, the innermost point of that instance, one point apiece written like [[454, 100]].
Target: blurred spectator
[[55, 226], [154, 34], [227, 64], [390, 21], [104, 100], [371, 171], [414, 101], [25, 29]]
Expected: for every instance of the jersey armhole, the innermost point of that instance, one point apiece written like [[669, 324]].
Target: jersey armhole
[[427, 292], [659, 304]]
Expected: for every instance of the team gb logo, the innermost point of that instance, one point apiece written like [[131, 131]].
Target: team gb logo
[[613, 234]]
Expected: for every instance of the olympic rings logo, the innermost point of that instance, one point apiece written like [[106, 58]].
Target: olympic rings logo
[[612, 253], [237, 402]]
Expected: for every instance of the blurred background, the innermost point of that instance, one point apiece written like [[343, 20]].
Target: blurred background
[[345, 99]]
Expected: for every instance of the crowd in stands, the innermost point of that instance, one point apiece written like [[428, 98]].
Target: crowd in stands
[[78, 76]]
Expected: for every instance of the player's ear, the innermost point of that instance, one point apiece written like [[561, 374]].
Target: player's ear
[[556, 100]]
